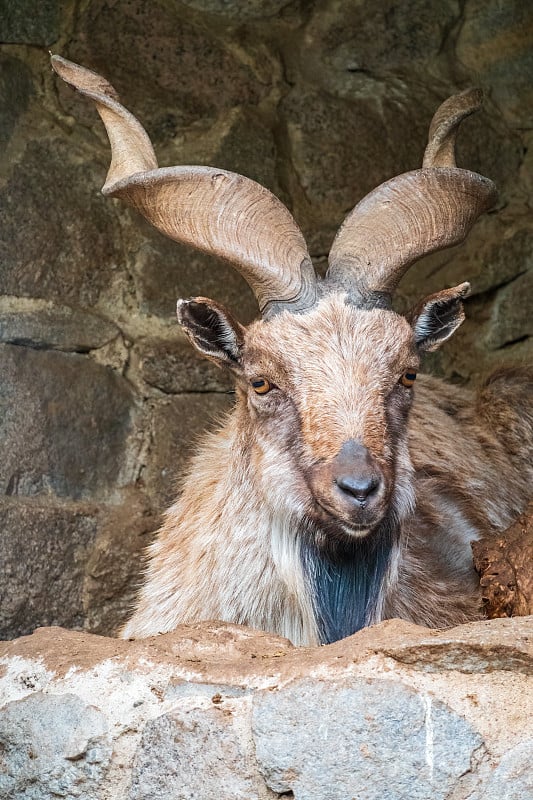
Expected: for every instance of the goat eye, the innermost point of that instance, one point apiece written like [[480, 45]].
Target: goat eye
[[261, 386], [408, 378]]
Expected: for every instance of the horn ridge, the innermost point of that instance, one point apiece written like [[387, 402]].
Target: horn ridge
[[213, 210]]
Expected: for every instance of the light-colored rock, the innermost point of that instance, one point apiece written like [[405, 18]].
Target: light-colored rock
[[216, 711], [320, 738], [201, 749], [52, 747]]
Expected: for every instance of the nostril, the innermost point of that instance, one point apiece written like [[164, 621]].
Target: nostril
[[360, 487]]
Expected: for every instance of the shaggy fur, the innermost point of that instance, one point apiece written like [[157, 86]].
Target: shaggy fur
[[259, 537]]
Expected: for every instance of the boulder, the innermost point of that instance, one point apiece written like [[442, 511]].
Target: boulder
[[214, 710]]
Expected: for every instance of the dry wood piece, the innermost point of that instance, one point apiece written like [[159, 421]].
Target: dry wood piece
[[505, 567]]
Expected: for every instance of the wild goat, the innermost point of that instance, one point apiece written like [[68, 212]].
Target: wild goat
[[335, 495]]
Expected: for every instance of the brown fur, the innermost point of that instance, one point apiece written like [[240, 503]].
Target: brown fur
[[231, 546]]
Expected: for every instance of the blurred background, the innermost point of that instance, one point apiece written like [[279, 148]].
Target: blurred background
[[101, 397]]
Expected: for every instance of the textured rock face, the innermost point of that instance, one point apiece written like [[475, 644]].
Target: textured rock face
[[101, 397], [218, 711]]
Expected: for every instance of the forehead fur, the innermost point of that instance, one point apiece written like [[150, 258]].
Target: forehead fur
[[334, 340]]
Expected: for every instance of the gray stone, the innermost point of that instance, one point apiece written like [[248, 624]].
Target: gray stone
[[15, 91], [347, 43], [496, 252], [44, 549], [342, 150], [512, 318], [176, 367], [331, 740], [28, 22], [52, 747], [41, 323], [178, 424], [240, 141], [184, 71], [66, 424], [72, 253], [512, 779], [166, 271], [167, 763], [494, 44], [239, 9], [113, 569]]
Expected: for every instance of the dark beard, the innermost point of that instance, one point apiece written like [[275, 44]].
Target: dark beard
[[345, 577]]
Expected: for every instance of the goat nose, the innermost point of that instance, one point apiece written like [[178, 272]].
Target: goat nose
[[360, 487]]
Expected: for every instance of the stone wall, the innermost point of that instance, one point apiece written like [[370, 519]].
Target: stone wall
[[219, 712], [100, 397]]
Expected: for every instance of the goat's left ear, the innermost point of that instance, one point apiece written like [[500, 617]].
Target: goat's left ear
[[212, 330], [438, 316]]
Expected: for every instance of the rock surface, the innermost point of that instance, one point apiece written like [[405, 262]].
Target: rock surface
[[220, 711]]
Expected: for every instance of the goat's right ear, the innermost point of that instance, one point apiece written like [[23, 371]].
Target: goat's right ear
[[212, 330]]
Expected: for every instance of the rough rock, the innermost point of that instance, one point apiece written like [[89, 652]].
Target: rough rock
[[175, 366], [52, 747], [505, 566], [494, 44], [220, 711], [239, 9], [354, 730], [73, 251], [16, 89], [187, 73], [513, 777], [43, 324], [166, 271], [73, 435], [202, 748], [511, 318], [333, 171], [178, 423], [351, 46], [71, 563], [44, 549], [28, 22]]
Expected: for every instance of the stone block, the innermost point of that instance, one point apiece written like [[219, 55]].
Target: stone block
[[43, 324], [175, 367], [16, 88], [512, 317], [178, 424], [346, 43], [239, 9], [170, 72], [342, 149], [73, 251], [322, 740], [72, 564], [494, 44], [212, 732], [165, 271], [66, 424], [27, 22], [44, 549], [512, 779], [52, 747]]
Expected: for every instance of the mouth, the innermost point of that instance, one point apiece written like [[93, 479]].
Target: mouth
[[331, 519]]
